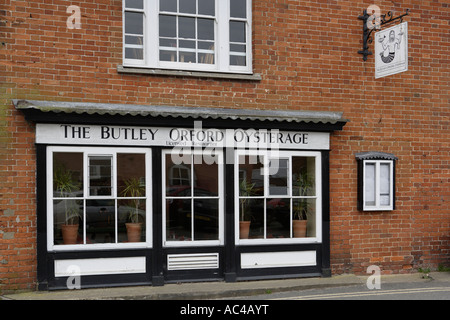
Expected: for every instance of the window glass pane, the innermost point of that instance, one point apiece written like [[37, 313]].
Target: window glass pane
[[100, 221], [207, 58], [303, 176], [67, 221], [178, 220], [168, 43], [304, 218], [237, 31], [251, 176], [237, 60], [206, 7], [205, 29], [168, 5], [131, 220], [278, 218], [369, 184], [278, 177], [130, 175], [206, 219], [186, 27], [178, 177], [135, 4], [252, 210], [134, 53], [385, 188], [67, 174], [206, 180], [167, 26], [134, 40], [187, 57], [188, 6], [166, 55], [100, 176], [190, 44], [134, 22], [238, 47], [238, 8]]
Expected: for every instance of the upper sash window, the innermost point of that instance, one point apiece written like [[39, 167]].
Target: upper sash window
[[193, 35]]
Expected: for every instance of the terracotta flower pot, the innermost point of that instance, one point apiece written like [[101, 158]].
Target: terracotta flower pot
[[134, 231], [244, 229], [299, 228], [69, 233]]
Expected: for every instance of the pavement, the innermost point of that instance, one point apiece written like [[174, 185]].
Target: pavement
[[220, 290]]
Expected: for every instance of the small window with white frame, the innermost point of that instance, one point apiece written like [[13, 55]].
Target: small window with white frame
[[376, 181], [192, 35]]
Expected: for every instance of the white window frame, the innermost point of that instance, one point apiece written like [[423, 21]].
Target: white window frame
[[378, 206], [222, 48], [94, 151], [217, 155], [318, 195]]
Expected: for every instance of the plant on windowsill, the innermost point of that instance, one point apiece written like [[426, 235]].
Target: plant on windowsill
[[134, 189], [303, 184], [65, 186], [245, 189]]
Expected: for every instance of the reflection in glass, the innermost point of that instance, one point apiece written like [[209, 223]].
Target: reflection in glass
[[305, 210], [278, 179], [100, 175], [206, 183], [178, 220], [369, 181], [134, 23], [206, 219], [303, 176], [278, 218], [67, 212], [67, 174], [251, 175], [100, 221]]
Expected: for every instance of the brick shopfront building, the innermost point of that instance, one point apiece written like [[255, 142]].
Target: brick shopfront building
[[213, 128]]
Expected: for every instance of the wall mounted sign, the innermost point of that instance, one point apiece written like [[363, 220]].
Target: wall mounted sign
[[71, 134], [391, 50]]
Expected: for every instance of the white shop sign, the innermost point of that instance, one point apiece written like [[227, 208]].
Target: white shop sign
[[179, 137], [391, 50]]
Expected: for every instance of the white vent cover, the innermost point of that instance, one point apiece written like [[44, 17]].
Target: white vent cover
[[192, 261]]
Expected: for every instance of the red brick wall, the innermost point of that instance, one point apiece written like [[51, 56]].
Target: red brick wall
[[306, 52]]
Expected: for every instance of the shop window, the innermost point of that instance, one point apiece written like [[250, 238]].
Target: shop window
[[202, 35], [193, 209], [376, 181], [278, 198], [98, 195]]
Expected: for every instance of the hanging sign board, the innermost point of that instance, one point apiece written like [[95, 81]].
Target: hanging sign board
[[391, 50]]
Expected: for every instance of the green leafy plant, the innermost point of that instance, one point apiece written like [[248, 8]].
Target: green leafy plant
[[303, 184], [134, 189], [65, 186], [245, 190]]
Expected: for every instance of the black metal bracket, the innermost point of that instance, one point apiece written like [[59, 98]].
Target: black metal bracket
[[375, 25]]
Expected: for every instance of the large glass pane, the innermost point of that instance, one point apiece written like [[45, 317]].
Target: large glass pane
[[131, 220], [304, 218], [206, 180], [67, 174], [134, 23], [178, 220], [100, 221], [206, 219], [251, 176], [205, 29], [385, 184], [100, 176], [188, 6], [278, 218], [303, 176], [178, 177], [67, 221], [168, 5], [237, 31], [186, 27], [278, 176], [252, 211], [369, 184], [134, 53], [238, 8], [206, 7], [130, 175], [167, 26]]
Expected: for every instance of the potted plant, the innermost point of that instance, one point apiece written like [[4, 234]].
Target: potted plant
[[245, 189], [303, 184], [65, 186], [134, 189]]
